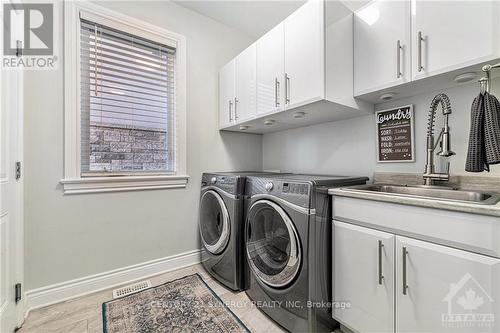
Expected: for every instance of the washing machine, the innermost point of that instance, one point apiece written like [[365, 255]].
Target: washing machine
[[221, 222], [288, 248]]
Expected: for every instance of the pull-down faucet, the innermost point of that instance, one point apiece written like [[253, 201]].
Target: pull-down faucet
[[430, 175]]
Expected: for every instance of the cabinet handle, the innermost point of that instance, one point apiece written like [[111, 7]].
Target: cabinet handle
[[399, 48], [419, 43], [380, 273], [287, 89], [230, 110], [405, 284], [235, 109], [276, 92]]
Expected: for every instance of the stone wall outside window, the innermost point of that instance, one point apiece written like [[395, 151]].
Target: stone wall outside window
[[122, 149]]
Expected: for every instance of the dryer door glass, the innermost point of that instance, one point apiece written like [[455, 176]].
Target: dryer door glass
[[272, 244], [214, 222]]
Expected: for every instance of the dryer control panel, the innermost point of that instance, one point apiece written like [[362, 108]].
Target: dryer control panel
[[295, 188], [228, 184]]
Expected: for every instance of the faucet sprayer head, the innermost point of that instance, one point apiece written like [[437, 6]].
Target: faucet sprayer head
[[445, 145]]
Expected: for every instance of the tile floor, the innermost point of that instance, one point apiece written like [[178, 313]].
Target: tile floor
[[83, 314]]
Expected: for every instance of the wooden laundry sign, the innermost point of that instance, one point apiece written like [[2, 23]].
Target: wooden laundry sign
[[395, 135]]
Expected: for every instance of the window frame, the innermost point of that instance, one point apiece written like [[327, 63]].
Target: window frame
[[73, 182]]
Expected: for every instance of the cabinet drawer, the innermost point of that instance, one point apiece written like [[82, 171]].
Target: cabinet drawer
[[471, 232]]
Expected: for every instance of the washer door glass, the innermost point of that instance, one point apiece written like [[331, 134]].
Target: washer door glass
[[272, 244], [214, 222]]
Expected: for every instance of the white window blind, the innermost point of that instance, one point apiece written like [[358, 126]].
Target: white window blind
[[127, 102]]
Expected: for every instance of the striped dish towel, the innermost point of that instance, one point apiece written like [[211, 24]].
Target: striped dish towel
[[484, 137]]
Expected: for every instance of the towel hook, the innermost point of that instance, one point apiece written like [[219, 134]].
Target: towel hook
[[485, 82]]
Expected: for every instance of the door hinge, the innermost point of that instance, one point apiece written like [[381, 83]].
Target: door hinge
[[19, 48], [18, 170], [18, 292]]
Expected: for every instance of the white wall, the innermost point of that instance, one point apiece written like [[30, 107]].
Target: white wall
[[349, 147], [74, 236]]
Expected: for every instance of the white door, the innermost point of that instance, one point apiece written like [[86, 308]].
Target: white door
[[454, 35], [447, 289], [245, 106], [11, 228], [381, 45], [270, 69], [304, 55], [363, 274], [226, 94]]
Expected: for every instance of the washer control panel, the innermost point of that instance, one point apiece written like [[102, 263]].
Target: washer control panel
[[295, 188]]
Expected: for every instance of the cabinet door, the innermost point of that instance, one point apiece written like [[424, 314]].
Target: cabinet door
[[454, 35], [381, 45], [447, 289], [360, 257], [270, 69], [226, 94], [304, 55], [245, 105]]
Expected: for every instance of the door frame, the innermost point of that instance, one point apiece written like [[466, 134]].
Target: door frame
[[12, 98]]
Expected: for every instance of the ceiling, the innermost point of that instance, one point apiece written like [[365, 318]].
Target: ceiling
[[254, 18]]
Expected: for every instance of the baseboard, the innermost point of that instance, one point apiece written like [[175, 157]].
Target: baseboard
[[40, 297]]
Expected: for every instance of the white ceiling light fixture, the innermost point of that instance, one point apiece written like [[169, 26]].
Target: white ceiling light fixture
[[387, 96], [465, 77], [244, 127], [269, 122], [299, 115]]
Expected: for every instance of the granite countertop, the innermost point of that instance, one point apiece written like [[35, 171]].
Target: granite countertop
[[466, 207]]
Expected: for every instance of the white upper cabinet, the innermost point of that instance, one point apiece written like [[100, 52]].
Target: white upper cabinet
[[227, 94], [304, 72], [270, 71], [453, 35], [245, 106], [381, 45], [440, 288], [304, 55], [363, 274]]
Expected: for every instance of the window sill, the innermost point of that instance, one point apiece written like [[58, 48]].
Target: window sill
[[123, 183]]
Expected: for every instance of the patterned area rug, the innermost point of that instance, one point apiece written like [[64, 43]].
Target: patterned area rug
[[184, 305]]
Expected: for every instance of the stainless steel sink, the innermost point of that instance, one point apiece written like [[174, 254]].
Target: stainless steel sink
[[446, 194]]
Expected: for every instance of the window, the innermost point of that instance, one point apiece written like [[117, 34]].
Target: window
[[127, 102], [125, 96]]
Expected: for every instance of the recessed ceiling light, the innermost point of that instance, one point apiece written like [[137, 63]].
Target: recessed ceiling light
[[299, 115], [244, 127], [465, 77], [387, 96], [269, 122]]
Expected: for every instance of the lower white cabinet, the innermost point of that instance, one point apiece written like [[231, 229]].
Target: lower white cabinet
[[425, 287], [446, 288], [364, 276]]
